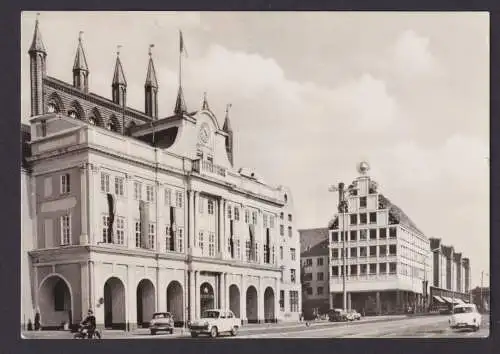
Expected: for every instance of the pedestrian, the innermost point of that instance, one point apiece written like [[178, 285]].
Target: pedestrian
[[37, 321]]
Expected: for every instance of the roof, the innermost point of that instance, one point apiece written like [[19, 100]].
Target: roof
[[37, 43], [397, 214], [119, 76], [320, 249], [80, 59], [151, 75], [311, 237]]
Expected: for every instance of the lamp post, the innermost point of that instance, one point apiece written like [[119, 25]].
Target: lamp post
[[481, 289]]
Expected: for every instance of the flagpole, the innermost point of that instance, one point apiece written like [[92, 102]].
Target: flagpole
[[180, 57]]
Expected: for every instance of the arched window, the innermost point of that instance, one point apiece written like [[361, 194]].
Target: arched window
[[111, 126], [92, 121], [51, 107], [73, 114]]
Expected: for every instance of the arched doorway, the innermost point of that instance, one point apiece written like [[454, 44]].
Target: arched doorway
[[269, 303], [234, 300], [175, 301], [54, 302], [252, 308], [207, 297], [114, 304], [145, 302]]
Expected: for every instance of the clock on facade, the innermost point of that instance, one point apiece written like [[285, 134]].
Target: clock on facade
[[204, 133]]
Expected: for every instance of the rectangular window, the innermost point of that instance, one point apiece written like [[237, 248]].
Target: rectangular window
[[320, 276], [281, 252], [392, 232], [290, 231], [382, 251], [320, 289], [373, 234], [264, 220], [292, 254], [382, 233], [335, 253], [362, 251], [362, 202], [138, 234], [373, 268], [290, 217], [282, 300], [180, 240], [179, 199], [362, 269], [137, 191], [362, 234], [48, 187], [200, 241], [282, 230], [65, 184], [248, 254], [210, 207], [254, 217], [294, 301], [293, 277], [383, 268], [362, 219], [105, 227], [354, 252], [373, 218], [104, 182], [119, 190], [319, 261], [120, 231], [211, 244], [392, 250], [354, 269], [229, 212], [281, 216], [236, 213], [271, 221], [353, 219], [150, 195], [65, 230], [309, 262], [238, 248], [201, 202], [308, 276], [335, 237], [151, 236], [168, 239], [168, 196], [354, 235], [392, 268], [335, 271]]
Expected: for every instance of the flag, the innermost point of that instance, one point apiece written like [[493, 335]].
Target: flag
[[182, 46]]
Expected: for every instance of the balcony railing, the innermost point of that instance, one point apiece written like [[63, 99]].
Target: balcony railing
[[208, 166]]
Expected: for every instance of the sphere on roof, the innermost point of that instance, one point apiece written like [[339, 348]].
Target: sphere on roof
[[363, 167]]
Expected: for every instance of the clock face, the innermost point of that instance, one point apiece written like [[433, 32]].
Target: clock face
[[204, 133]]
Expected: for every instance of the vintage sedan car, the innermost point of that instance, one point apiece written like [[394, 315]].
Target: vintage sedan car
[[465, 316], [213, 322], [161, 321], [337, 315], [353, 315]]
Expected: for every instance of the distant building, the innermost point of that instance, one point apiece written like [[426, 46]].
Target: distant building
[[481, 297], [387, 256], [315, 265], [451, 276]]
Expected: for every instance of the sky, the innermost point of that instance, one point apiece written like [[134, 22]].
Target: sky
[[313, 94]]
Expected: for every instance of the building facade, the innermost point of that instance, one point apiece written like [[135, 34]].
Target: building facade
[[315, 265], [387, 260], [127, 214], [451, 276]]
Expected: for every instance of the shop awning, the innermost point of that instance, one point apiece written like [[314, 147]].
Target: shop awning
[[460, 301], [447, 299], [438, 298]]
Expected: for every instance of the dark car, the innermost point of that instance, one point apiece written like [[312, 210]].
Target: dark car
[[337, 315]]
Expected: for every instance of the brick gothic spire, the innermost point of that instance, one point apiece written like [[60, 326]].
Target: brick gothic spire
[[119, 85], [80, 68], [38, 56], [151, 89]]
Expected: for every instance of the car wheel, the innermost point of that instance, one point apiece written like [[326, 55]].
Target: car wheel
[[171, 331], [234, 331], [213, 332], [153, 332], [194, 335]]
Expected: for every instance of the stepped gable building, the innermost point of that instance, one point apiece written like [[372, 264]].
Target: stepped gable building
[[127, 213], [387, 260]]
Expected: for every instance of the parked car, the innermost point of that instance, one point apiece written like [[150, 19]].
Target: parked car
[[337, 315], [162, 321], [353, 315], [465, 316], [213, 322]]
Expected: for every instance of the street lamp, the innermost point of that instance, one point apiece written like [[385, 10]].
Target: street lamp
[[481, 289], [342, 209]]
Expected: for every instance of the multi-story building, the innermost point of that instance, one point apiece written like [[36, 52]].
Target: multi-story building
[[451, 276], [315, 265], [127, 213], [387, 263]]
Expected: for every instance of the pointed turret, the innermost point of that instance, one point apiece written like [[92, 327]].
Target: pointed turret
[[180, 104], [229, 139], [204, 105], [151, 89], [80, 68], [119, 85], [38, 56]]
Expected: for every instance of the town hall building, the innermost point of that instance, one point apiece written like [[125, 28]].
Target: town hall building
[[127, 213]]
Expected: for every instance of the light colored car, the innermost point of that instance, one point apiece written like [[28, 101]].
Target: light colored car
[[213, 322], [161, 321], [465, 316], [353, 315]]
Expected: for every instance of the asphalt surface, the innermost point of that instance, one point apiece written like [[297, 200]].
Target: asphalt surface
[[371, 327]]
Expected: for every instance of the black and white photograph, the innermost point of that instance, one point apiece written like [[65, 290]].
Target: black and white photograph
[[254, 175]]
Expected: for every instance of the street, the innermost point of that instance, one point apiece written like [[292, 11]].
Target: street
[[371, 327]]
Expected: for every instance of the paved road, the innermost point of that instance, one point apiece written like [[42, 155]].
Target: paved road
[[372, 327]]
